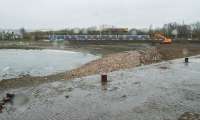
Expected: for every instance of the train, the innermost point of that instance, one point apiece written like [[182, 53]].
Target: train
[[99, 37]]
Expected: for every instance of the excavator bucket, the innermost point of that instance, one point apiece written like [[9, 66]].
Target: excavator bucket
[[167, 41]]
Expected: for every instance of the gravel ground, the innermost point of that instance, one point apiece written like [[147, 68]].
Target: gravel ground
[[163, 91], [113, 62]]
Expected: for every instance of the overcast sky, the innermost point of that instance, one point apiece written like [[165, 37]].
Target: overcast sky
[[56, 14]]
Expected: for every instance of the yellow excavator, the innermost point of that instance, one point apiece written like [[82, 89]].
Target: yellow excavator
[[160, 36]]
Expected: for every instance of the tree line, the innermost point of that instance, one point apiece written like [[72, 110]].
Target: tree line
[[173, 30]]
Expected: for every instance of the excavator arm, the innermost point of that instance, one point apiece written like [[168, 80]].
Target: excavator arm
[[165, 40]]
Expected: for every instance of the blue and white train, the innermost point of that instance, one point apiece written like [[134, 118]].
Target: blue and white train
[[99, 37]]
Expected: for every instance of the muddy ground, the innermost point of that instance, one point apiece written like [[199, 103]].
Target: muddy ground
[[161, 91], [167, 52]]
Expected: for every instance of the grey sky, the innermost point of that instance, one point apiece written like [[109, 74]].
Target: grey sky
[[42, 14]]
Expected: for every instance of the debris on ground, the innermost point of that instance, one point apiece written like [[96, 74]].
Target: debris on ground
[[190, 116], [8, 99], [67, 96]]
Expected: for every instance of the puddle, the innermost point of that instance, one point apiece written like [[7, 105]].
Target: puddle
[[163, 67], [15, 63], [104, 86]]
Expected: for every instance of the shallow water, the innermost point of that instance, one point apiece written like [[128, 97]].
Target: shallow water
[[17, 62]]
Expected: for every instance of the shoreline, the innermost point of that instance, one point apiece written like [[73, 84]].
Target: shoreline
[[166, 52], [107, 64]]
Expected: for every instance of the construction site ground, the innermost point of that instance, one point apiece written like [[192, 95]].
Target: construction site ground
[[105, 48], [160, 91]]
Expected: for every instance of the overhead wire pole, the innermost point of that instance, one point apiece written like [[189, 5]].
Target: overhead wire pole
[[99, 33], [191, 33]]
